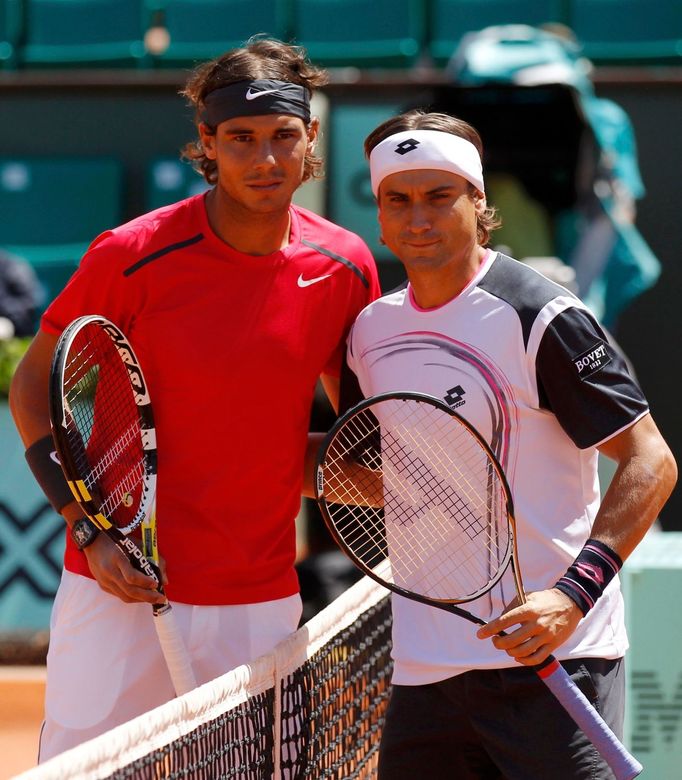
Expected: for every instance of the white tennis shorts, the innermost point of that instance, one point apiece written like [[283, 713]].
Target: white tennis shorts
[[105, 666]]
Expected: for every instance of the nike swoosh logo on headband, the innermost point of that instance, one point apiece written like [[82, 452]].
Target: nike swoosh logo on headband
[[251, 95]]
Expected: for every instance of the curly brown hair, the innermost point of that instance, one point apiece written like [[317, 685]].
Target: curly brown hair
[[259, 58], [417, 119]]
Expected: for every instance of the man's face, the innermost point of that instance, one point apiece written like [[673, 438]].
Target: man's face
[[428, 218], [260, 159]]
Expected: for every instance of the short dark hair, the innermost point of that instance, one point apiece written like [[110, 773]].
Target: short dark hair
[[417, 119], [259, 58]]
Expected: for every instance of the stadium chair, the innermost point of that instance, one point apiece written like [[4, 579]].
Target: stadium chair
[[52, 208], [67, 33], [10, 32], [628, 30], [170, 180], [202, 29], [356, 33], [451, 19]]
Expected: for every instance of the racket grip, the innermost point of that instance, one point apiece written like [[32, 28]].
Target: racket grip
[[174, 651], [574, 701]]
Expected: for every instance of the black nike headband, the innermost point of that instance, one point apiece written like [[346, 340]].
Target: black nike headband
[[252, 98]]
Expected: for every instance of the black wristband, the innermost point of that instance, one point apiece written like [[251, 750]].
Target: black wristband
[[587, 577], [42, 459]]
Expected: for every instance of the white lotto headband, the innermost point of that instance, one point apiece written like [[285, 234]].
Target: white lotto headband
[[425, 149]]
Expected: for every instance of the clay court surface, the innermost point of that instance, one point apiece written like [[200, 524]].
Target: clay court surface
[[21, 712]]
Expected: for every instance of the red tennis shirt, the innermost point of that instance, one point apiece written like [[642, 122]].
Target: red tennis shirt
[[231, 346]]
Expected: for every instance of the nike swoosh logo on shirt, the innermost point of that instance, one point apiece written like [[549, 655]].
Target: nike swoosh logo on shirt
[[307, 282], [251, 95]]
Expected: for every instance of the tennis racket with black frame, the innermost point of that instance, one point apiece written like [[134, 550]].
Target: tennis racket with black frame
[[418, 501], [104, 434]]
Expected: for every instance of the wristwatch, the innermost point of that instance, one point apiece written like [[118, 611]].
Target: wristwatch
[[84, 532]]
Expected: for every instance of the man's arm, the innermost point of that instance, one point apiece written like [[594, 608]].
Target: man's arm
[[30, 408], [28, 398], [644, 479]]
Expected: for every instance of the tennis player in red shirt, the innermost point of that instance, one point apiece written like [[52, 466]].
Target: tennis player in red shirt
[[236, 302]]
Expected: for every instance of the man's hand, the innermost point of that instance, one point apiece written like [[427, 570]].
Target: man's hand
[[115, 575], [543, 623]]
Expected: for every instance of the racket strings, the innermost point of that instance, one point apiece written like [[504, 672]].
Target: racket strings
[[432, 519], [131, 479], [120, 446], [442, 501], [415, 496], [103, 427]]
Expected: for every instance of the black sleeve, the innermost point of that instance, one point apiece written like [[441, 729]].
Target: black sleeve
[[584, 380]]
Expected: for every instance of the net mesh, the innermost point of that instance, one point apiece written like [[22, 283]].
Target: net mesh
[[333, 704], [314, 708]]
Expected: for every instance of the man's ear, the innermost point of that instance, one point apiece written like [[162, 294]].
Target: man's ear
[[207, 136], [313, 131], [480, 202]]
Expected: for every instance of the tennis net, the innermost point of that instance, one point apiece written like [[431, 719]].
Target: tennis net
[[313, 708]]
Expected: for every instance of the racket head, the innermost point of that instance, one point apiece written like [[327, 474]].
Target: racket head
[[102, 423], [416, 498]]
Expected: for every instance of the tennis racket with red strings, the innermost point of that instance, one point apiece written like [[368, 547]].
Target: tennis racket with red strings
[[104, 434], [418, 501]]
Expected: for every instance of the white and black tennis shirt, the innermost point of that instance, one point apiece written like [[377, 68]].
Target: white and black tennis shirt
[[527, 364]]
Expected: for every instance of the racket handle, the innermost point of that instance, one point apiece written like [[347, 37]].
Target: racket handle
[[174, 650], [574, 701]]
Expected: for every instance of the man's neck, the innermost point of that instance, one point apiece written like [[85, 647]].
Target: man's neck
[[246, 231], [432, 288]]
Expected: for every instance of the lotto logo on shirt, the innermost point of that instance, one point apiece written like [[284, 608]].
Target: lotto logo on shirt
[[593, 360], [455, 397]]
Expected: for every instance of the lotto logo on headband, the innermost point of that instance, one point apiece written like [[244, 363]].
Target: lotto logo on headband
[[412, 150], [406, 146]]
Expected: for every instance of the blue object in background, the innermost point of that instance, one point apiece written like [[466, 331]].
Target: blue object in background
[[31, 539], [597, 236]]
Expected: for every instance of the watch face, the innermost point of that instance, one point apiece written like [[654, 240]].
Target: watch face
[[82, 533]]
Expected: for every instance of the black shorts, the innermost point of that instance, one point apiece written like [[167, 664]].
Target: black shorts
[[501, 724]]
